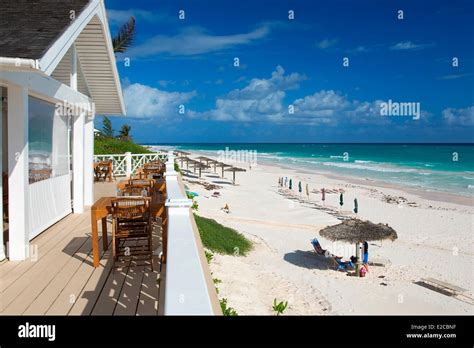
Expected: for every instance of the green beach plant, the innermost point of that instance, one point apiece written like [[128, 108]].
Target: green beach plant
[[209, 256], [177, 168], [227, 311], [221, 239], [280, 307]]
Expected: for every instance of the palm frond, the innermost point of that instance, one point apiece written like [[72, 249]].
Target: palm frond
[[124, 37]]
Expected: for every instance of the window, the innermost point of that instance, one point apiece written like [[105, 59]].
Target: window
[[48, 141]]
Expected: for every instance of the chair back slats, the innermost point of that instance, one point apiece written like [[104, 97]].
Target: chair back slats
[[136, 191], [140, 183], [130, 208]]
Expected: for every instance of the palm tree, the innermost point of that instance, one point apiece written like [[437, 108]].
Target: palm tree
[[107, 130], [125, 36], [124, 132]]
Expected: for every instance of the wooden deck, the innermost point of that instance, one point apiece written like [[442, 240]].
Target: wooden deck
[[59, 278]]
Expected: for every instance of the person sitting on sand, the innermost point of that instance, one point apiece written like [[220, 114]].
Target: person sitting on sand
[[226, 209], [344, 265]]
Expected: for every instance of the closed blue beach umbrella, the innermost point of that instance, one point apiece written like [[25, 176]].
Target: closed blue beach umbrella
[[300, 189], [341, 200], [291, 184], [356, 206]]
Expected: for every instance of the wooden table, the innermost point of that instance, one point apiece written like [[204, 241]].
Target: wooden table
[[103, 207]]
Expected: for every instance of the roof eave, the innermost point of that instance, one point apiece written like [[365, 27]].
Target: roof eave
[[59, 48]]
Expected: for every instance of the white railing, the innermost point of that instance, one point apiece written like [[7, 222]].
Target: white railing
[[188, 286], [127, 164]]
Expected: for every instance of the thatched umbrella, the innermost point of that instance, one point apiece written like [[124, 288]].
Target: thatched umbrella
[[199, 165], [201, 158], [356, 231], [233, 170], [181, 153], [187, 160], [223, 165], [214, 162], [182, 158]]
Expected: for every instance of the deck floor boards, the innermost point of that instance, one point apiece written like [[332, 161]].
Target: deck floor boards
[[62, 281]]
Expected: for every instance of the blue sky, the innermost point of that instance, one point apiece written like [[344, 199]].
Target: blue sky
[[297, 64]]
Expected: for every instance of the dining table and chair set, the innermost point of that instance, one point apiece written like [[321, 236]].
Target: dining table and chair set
[[138, 214]]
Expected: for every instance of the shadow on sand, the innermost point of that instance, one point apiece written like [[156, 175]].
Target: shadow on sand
[[308, 259]]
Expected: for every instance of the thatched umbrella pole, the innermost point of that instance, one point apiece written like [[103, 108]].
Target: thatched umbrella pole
[[358, 263]]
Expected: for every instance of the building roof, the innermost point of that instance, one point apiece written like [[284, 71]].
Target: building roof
[[45, 31], [29, 27]]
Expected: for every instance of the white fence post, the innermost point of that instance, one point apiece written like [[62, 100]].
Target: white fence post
[[128, 164], [170, 163]]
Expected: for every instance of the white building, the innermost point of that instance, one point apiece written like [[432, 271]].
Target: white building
[[57, 69]]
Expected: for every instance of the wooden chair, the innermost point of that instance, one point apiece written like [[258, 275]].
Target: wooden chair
[[135, 191], [103, 170], [131, 222], [142, 183], [153, 168]]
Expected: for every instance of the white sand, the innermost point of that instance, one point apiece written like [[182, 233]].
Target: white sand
[[435, 239]]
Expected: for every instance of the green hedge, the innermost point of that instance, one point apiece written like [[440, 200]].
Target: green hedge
[[106, 146], [221, 239]]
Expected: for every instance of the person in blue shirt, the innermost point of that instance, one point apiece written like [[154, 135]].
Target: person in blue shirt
[[365, 253]]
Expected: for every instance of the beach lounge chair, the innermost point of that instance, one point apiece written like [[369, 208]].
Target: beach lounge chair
[[341, 265], [317, 247]]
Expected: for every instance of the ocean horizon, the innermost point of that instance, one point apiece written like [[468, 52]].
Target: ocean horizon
[[432, 167]]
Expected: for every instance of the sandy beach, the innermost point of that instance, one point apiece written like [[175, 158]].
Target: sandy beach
[[435, 239]]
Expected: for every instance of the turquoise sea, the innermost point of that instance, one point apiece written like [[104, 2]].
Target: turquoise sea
[[433, 167]]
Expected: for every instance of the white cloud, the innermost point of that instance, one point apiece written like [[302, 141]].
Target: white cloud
[[261, 99], [122, 16], [360, 49], [331, 108], [453, 76], [142, 101], [459, 117], [196, 40], [326, 43], [408, 45], [264, 100]]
